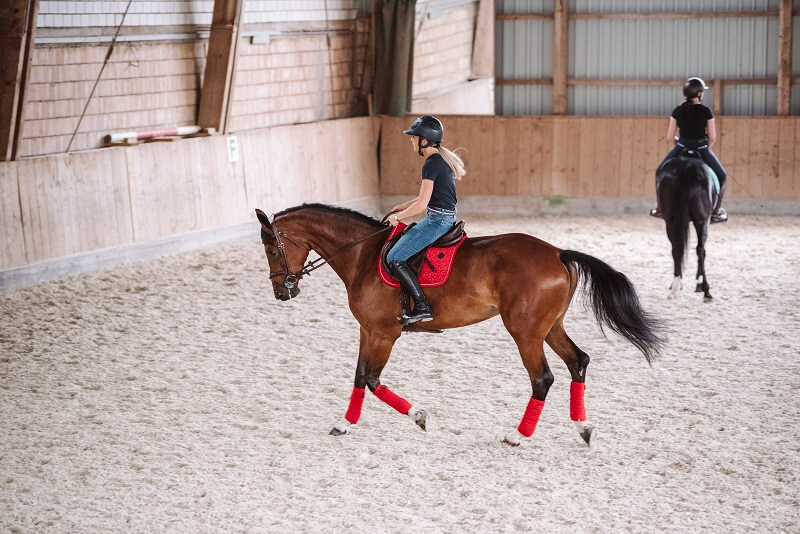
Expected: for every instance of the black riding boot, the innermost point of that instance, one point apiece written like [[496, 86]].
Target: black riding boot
[[422, 310], [718, 214], [656, 211]]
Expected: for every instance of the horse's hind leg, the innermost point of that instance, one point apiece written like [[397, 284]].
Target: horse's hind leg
[[532, 352], [373, 353], [702, 233], [576, 361]]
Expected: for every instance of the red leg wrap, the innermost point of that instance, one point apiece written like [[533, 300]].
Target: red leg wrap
[[531, 417], [392, 399], [356, 401], [577, 411]]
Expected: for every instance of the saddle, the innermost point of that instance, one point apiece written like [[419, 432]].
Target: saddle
[[433, 264], [713, 179]]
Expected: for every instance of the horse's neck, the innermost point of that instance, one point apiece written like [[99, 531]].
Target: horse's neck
[[333, 237]]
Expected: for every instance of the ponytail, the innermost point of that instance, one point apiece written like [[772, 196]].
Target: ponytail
[[453, 161]]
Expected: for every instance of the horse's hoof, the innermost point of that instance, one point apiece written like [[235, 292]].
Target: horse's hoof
[[422, 419], [707, 298], [513, 439], [340, 430], [589, 435]]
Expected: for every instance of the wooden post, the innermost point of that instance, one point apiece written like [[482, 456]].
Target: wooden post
[[784, 57], [17, 25], [483, 45], [215, 97], [560, 55], [716, 86]]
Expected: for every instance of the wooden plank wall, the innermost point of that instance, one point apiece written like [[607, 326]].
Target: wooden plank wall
[[59, 205], [295, 79], [593, 157], [443, 49], [143, 87]]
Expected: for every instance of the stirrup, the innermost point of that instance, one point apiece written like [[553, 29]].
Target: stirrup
[[655, 212], [417, 315]]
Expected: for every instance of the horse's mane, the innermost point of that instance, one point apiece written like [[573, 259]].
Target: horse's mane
[[334, 210]]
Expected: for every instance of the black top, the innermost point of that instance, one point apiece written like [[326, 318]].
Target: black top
[[444, 186], [692, 120]]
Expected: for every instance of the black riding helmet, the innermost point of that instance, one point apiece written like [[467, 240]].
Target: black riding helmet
[[693, 86], [427, 128]]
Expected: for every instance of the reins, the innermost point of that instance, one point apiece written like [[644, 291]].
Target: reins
[[292, 278]]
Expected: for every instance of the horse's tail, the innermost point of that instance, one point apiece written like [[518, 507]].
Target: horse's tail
[[615, 303]]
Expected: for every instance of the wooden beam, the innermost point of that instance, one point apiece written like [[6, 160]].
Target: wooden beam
[[785, 57], [216, 96], [679, 15], [669, 15], [17, 25], [613, 82], [560, 55]]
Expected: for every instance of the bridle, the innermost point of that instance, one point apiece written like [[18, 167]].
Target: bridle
[[291, 279]]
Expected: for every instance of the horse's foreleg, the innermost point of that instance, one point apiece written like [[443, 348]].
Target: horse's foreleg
[[374, 352], [577, 362], [532, 352]]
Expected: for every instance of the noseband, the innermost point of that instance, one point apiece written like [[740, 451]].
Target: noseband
[[291, 279]]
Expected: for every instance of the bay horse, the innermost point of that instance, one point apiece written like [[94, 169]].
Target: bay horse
[[686, 193], [529, 282]]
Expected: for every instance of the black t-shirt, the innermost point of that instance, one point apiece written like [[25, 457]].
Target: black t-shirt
[[692, 120], [444, 186]]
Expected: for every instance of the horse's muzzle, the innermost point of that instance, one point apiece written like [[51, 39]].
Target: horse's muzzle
[[282, 293]]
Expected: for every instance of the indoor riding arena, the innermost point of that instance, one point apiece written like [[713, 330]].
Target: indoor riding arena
[[156, 376]]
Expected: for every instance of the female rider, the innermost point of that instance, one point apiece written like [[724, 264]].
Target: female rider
[[698, 131], [437, 196]]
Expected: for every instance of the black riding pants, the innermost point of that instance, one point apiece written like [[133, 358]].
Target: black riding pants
[[701, 146]]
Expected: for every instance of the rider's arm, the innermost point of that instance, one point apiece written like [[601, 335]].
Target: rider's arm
[[419, 204], [671, 129], [404, 205], [711, 130]]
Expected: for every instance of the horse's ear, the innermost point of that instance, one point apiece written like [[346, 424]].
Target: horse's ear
[[266, 222]]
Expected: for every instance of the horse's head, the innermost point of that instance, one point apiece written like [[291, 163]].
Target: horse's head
[[285, 257]]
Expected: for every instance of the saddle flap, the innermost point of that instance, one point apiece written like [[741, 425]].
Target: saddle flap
[[438, 263]]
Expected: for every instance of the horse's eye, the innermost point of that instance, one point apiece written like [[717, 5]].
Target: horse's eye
[[272, 254]]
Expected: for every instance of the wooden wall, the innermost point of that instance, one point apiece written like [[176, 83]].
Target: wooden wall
[[594, 157], [443, 49], [66, 204], [144, 86]]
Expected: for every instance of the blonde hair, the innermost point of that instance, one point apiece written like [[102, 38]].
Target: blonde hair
[[453, 161]]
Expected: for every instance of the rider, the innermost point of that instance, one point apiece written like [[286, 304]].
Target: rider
[[437, 195], [698, 131]]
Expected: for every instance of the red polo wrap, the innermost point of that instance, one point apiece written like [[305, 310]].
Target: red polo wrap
[[356, 401], [392, 399], [531, 417], [577, 411]]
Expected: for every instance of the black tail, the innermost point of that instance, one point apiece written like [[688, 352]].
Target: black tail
[[678, 180], [616, 304]]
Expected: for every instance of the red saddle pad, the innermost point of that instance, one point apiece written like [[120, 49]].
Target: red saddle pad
[[441, 259]]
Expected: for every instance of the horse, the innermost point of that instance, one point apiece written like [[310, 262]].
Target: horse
[[525, 280], [686, 193]]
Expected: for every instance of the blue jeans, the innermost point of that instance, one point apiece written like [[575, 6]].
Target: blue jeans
[[701, 145], [425, 232]]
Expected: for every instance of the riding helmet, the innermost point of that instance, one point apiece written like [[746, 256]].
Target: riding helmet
[[693, 86], [428, 127]]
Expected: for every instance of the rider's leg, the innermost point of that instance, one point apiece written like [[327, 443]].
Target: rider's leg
[[718, 214], [417, 238]]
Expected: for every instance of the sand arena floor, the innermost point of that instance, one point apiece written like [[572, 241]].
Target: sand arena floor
[[177, 395]]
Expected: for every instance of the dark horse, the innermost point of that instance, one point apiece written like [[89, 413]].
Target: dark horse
[[686, 193], [527, 281]]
